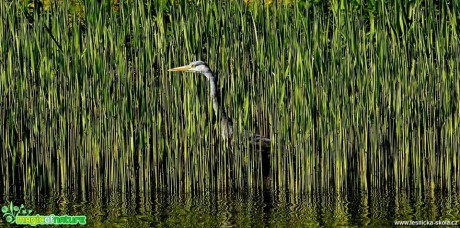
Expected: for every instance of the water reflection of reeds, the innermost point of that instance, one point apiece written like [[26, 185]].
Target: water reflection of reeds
[[242, 209]]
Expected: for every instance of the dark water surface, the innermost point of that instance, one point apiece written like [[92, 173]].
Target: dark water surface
[[243, 209]]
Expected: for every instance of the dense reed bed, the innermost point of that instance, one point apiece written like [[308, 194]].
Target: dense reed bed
[[352, 96]]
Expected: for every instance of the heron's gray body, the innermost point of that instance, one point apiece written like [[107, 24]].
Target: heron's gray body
[[226, 124]]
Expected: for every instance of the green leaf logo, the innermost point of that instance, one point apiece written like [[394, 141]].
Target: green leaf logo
[[10, 212]]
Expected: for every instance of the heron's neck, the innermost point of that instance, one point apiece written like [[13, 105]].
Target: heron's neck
[[215, 96]]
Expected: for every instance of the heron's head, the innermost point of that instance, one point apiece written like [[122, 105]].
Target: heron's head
[[197, 67]]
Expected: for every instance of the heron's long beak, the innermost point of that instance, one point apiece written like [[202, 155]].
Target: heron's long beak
[[182, 68]]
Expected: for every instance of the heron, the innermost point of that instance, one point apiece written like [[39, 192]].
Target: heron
[[226, 124]]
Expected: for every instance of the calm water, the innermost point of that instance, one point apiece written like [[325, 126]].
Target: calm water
[[242, 209]]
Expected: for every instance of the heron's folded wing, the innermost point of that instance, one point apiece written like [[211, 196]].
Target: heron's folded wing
[[260, 141]]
